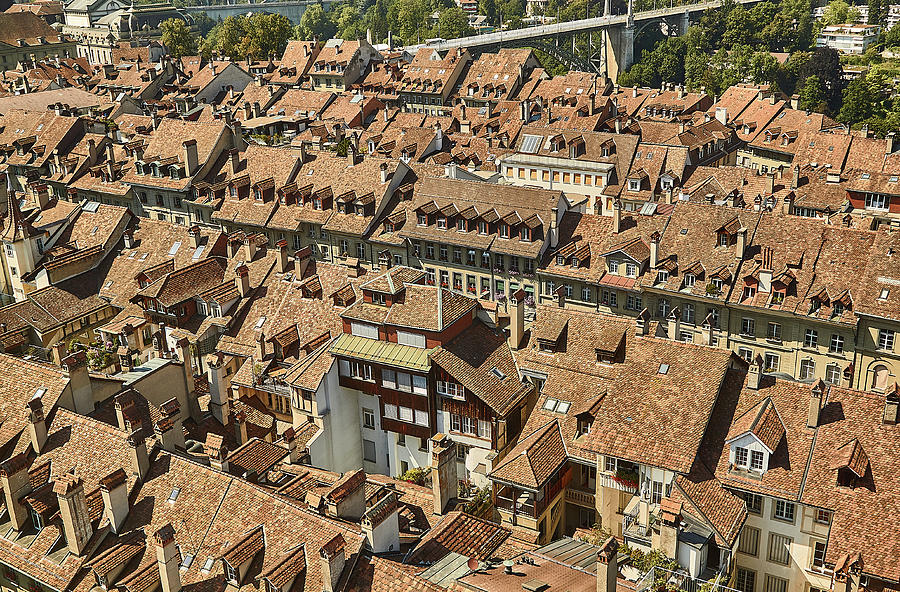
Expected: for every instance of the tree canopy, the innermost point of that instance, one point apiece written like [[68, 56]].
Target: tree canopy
[[177, 37]]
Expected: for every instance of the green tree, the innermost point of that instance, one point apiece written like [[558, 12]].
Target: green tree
[[453, 23], [892, 37], [266, 35], [349, 23], [825, 65], [859, 102], [178, 38], [812, 94], [315, 23], [408, 20], [878, 12], [203, 23], [489, 9], [839, 12]]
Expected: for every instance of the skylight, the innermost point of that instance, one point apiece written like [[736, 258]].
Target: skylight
[[174, 249], [498, 373], [107, 285], [208, 564], [187, 560], [260, 322], [663, 369], [885, 292], [198, 252], [556, 405], [174, 495], [530, 143]]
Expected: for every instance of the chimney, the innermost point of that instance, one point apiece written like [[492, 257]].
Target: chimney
[[249, 247], [219, 404], [190, 157], [79, 382], [890, 142], [37, 423], [283, 262], [815, 403], [16, 485], [617, 216], [216, 451], [92, 151], [195, 236], [673, 325], [643, 322], [381, 524], [248, 111], [741, 243], [242, 280], [722, 115], [670, 516], [114, 491], [786, 204], [560, 294], [140, 461], [332, 560], [765, 270], [257, 111], [301, 262], [608, 565], [891, 406], [73, 511], [294, 452], [234, 159], [754, 375], [240, 428], [168, 558], [443, 471], [795, 181], [654, 249], [383, 168], [618, 124], [128, 237], [517, 319]]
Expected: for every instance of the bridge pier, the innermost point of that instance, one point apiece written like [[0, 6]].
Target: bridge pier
[[685, 23], [619, 49]]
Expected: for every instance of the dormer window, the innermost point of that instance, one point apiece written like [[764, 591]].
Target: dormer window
[[837, 309], [560, 260], [232, 191], [723, 239], [777, 297], [575, 262], [422, 220], [504, 230], [631, 269], [442, 223], [689, 280], [634, 185], [360, 210], [230, 573], [174, 174], [257, 194], [718, 284], [585, 423], [317, 204], [604, 151], [482, 227], [461, 225], [525, 234], [662, 276]]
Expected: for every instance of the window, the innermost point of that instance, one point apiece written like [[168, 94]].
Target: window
[[807, 369], [368, 419], [656, 492], [422, 417], [662, 276], [773, 332], [784, 511], [610, 464], [756, 460], [833, 374], [664, 308], [689, 280], [886, 339], [404, 382], [230, 573], [753, 501], [818, 554], [364, 330], [811, 339], [586, 294], [775, 584], [740, 456], [687, 313], [779, 549], [389, 379], [837, 344], [875, 201], [745, 580], [368, 450], [749, 544], [390, 411], [630, 269], [823, 516], [413, 339], [771, 362], [419, 385], [406, 414]]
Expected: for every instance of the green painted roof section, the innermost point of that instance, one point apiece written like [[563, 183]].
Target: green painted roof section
[[381, 352]]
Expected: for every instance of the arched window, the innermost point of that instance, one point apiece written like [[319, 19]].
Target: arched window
[[880, 376]]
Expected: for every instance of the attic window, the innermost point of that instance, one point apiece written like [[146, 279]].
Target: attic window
[[186, 561], [498, 373], [208, 564], [683, 231], [884, 294], [556, 405], [260, 322], [174, 248], [663, 369], [174, 495]]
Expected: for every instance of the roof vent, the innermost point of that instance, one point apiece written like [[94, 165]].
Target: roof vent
[[535, 585]]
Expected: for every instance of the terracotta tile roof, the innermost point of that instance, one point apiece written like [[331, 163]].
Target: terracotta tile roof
[[394, 280], [245, 548], [346, 485], [458, 532], [474, 358], [256, 456], [291, 567], [429, 308], [763, 422], [186, 282], [375, 574], [535, 459]]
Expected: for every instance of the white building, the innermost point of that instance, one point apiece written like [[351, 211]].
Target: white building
[[848, 38]]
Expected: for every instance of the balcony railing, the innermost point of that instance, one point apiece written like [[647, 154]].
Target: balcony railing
[[609, 481], [659, 577], [524, 508], [581, 498]]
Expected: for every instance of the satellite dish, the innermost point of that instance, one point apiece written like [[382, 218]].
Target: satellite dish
[[472, 564], [508, 565]]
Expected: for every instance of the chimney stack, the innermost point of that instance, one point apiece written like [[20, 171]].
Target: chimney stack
[[37, 423], [891, 406], [242, 280], [754, 375], [673, 325], [73, 510], [654, 249], [168, 559], [617, 216], [815, 404], [249, 247], [16, 485], [332, 560], [216, 451], [608, 565], [643, 322], [140, 461], [283, 262], [240, 428], [190, 157], [114, 491], [234, 160], [195, 236], [741, 243], [795, 181], [383, 169], [443, 471], [517, 319], [261, 346], [301, 261], [128, 236], [219, 405], [79, 382], [290, 438]]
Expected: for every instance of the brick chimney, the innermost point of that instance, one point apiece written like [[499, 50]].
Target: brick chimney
[[332, 560], [234, 159], [195, 236], [815, 404], [517, 319], [114, 491], [168, 559], [294, 452], [261, 346], [219, 404], [443, 471], [79, 382], [240, 428], [654, 249], [608, 565], [301, 261], [670, 516], [242, 280], [73, 510], [216, 451], [16, 485], [37, 423]]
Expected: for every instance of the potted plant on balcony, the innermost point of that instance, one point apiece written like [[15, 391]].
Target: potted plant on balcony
[[712, 290], [626, 477]]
